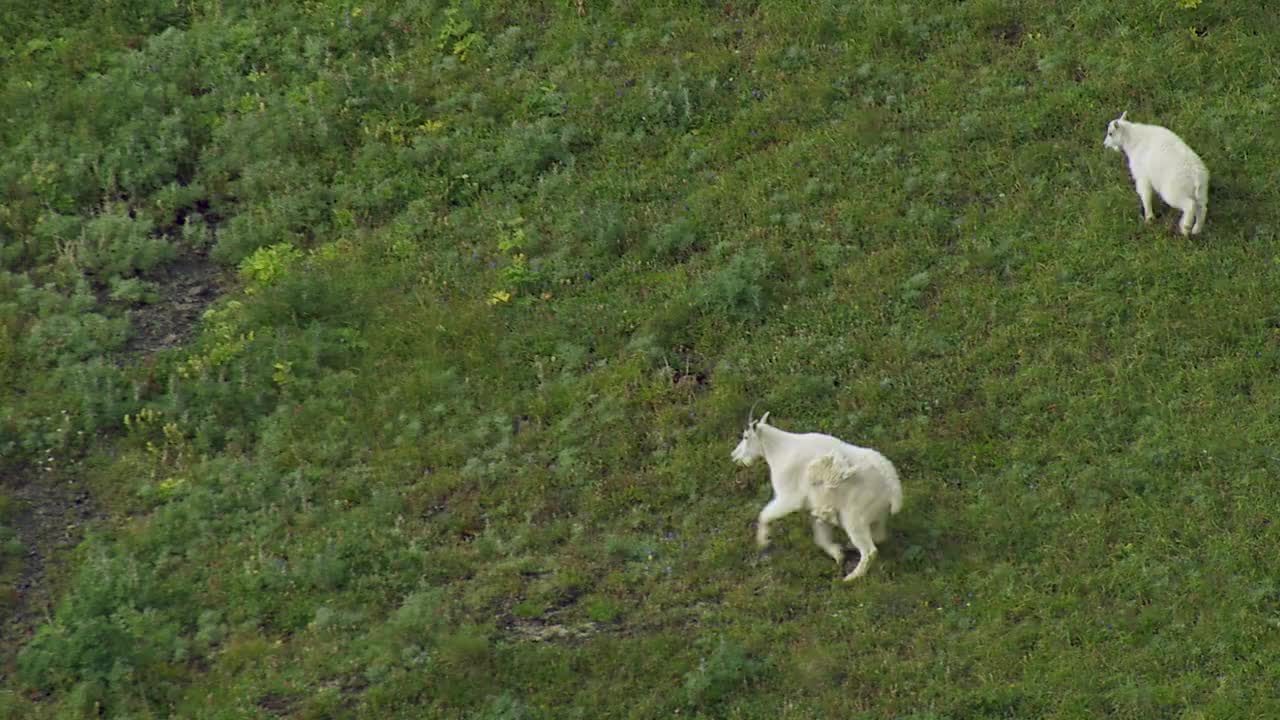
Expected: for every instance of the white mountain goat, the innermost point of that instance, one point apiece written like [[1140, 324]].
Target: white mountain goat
[[853, 487], [1160, 159]]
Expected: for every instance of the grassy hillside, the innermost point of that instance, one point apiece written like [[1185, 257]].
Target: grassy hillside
[[401, 348]]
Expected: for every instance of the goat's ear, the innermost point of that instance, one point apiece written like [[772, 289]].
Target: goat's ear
[[762, 419], [1123, 114]]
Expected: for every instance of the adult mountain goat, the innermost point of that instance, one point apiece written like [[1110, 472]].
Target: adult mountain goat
[[840, 484], [1160, 160]]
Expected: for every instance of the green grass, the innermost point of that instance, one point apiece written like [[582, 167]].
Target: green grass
[[501, 283]]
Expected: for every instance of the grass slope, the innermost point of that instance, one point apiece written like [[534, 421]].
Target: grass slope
[[509, 279]]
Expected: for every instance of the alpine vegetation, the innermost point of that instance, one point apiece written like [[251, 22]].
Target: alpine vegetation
[[1159, 159], [843, 485]]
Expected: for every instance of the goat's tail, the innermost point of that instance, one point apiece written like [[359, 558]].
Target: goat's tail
[[895, 489]]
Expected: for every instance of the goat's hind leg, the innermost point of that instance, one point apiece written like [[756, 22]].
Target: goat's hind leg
[[860, 535], [1202, 209], [822, 536], [880, 530]]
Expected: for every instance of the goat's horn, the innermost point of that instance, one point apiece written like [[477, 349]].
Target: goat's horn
[[752, 412]]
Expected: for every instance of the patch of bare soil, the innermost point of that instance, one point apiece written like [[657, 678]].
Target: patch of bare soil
[[53, 509], [539, 631], [187, 287]]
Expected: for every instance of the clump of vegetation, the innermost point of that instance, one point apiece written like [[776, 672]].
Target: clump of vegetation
[[12, 552], [722, 673]]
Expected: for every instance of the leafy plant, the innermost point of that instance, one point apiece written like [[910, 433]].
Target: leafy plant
[[516, 275], [720, 674], [675, 239], [117, 245], [740, 289], [457, 34], [266, 264], [134, 291]]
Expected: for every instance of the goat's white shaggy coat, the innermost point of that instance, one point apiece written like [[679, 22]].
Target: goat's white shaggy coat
[[1160, 160], [840, 484]]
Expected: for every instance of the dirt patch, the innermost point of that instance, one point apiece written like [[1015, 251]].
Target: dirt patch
[[690, 382], [187, 287], [1009, 33], [538, 631], [278, 705], [53, 508]]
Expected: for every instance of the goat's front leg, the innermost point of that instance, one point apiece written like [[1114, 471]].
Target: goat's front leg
[[776, 508], [1189, 213], [822, 536], [1144, 194]]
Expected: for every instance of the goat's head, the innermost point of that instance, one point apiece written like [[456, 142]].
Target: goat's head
[[750, 448], [1115, 130]]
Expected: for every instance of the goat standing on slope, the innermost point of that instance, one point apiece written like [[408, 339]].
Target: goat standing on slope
[[1161, 160], [854, 487]]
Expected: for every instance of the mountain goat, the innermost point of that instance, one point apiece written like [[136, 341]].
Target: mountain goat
[[840, 484], [1160, 159]]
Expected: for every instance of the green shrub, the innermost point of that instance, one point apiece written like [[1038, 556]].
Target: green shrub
[[720, 674], [133, 291], [11, 547], [407, 636], [66, 328], [740, 290], [501, 707], [602, 609], [604, 230], [675, 240], [115, 244], [526, 153], [122, 622], [266, 264]]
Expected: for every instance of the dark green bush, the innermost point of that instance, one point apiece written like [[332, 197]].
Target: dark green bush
[[738, 291], [117, 626], [68, 330], [114, 244], [676, 240], [720, 674], [11, 547]]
